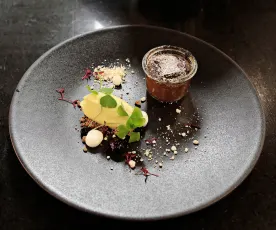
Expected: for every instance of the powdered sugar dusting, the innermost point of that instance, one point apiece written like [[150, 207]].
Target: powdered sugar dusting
[[167, 66]]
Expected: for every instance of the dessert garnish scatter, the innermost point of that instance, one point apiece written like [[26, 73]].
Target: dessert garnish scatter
[[113, 124]]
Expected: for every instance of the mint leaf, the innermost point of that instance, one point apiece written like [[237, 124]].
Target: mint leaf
[[136, 119], [107, 91], [108, 101], [138, 122], [134, 136], [133, 123], [121, 111], [91, 90], [137, 113], [129, 124], [122, 131]]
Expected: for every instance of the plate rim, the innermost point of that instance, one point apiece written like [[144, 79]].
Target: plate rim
[[67, 201]]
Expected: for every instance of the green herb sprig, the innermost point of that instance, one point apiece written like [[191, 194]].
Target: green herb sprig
[[135, 120]]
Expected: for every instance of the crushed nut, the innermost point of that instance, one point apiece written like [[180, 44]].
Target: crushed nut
[[138, 103], [173, 148], [195, 142]]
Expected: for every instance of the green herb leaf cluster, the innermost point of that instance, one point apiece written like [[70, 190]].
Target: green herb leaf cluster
[[135, 120]]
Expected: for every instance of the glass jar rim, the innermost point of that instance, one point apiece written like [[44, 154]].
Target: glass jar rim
[[172, 49]]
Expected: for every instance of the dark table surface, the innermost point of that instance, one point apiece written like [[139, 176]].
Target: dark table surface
[[245, 30]]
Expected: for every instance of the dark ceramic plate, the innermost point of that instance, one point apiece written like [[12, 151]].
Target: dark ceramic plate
[[43, 131]]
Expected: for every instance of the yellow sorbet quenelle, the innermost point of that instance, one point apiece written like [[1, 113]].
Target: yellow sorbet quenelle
[[92, 108]]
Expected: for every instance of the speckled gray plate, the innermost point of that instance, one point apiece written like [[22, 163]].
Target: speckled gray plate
[[43, 131]]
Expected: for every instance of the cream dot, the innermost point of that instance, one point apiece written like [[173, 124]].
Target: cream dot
[[94, 138], [117, 80]]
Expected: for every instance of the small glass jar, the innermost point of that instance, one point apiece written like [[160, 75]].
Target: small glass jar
[[168, 70]]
